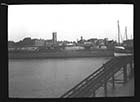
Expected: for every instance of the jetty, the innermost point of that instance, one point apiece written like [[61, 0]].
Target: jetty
[[106, 73]]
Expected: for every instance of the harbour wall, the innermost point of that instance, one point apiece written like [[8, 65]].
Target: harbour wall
[[60, 54]]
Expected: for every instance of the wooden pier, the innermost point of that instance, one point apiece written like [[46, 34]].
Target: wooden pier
[[100, 78]]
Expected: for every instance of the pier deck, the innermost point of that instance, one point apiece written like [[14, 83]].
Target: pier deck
[[100, 78]]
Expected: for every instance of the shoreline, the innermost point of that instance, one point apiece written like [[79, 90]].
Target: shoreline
[[60, 54]]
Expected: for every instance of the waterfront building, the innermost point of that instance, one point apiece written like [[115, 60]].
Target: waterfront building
[[88, 43], [49, 43], [11, 44], [100, 41], [69, 44], [72, 48], [39, 42], [106, 41], [54, 37], [81, 41], [81, 38], [29, 48], [26, 42], [128, 43], [11, 49], [60, 43], [103, 47]]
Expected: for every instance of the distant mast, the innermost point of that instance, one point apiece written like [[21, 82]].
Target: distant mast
[[118, 33], [126, 32]]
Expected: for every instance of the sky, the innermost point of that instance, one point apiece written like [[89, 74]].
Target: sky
[[70, 21]]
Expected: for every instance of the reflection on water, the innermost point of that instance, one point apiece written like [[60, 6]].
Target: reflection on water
[[48, 78]]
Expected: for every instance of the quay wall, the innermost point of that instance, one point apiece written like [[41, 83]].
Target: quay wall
[[60, 54]]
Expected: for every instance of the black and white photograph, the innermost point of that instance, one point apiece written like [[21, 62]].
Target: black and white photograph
[[70, 50]]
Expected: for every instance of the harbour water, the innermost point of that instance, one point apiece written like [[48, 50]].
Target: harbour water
[[49, 78]]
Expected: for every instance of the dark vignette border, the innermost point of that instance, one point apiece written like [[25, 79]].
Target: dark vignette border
[[4, 39]]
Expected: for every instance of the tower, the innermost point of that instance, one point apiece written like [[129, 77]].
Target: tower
[[81, 38], [126, 32], [54, 35]]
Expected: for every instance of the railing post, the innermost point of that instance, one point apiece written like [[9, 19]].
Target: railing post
[[113, 81], [125, 74], [131, 70], [105, 89]]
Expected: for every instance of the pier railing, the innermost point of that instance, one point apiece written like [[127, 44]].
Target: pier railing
[[99, 78]]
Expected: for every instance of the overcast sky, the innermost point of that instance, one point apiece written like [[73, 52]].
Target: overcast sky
[[69, 21]]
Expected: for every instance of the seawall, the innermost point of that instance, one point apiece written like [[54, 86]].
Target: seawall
[[60, 54]]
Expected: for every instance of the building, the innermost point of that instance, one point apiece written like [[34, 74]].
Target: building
[[39, 42], [26, 42], [70, 44], [88, 43], [81, 41], [11, 49], [11, 44], [106, 41], [103, 47], [81, 38], [29, 48], [54, 37], [49, 43], [93, 40], [128, 43], [100, 42], [72, 48]]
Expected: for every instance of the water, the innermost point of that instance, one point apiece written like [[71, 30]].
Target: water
[[48, 78]]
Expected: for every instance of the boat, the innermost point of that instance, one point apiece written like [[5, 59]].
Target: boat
[[120, 50], [122, 54]]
